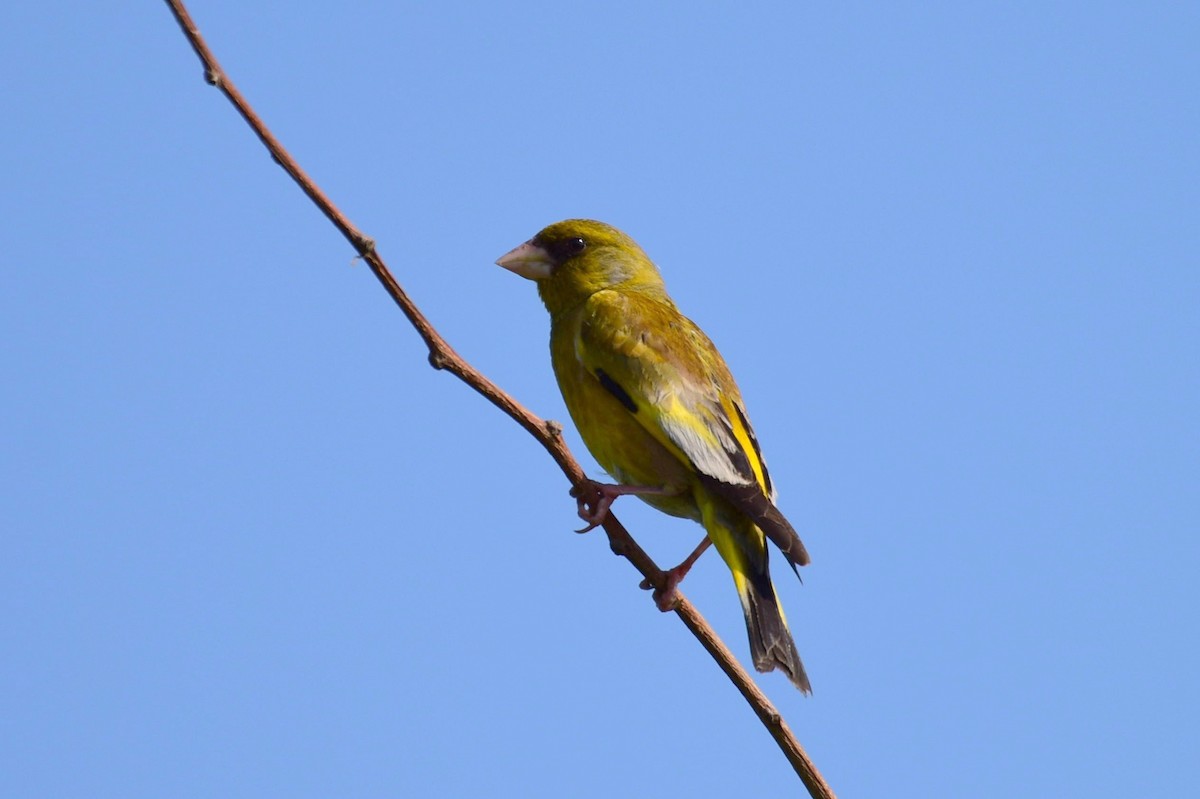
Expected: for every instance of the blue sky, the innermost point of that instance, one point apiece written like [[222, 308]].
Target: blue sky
[[252, 545]]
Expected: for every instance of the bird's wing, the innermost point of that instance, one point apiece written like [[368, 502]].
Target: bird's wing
[[668, 374]]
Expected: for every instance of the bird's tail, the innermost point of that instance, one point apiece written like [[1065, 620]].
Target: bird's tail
[[771, 644], [743, 547]]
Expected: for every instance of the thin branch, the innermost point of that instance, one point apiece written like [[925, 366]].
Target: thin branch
[[547, 433]]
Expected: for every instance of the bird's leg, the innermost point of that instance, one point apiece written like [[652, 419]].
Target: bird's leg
[[594, 499], [664, 598]]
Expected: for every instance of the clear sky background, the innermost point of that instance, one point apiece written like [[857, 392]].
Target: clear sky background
[[252, 545]]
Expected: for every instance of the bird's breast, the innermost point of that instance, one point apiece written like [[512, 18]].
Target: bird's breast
[[612, 433]]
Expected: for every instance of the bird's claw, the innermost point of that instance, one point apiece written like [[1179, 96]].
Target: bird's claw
[[591, 525], [666, 601], [587, 529], [594, 499], [593, 503], [666, 597]]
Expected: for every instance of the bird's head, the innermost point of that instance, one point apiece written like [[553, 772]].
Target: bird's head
[[573, 259]]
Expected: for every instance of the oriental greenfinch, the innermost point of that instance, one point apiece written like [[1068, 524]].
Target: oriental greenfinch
[[658, 408]]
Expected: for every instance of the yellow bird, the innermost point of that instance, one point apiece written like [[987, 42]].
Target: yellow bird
[[660, 411]]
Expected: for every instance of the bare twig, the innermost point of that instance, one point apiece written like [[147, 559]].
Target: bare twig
[[548, 433]]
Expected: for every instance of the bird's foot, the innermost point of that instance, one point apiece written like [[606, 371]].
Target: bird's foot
[[666, 596], [594, 499]]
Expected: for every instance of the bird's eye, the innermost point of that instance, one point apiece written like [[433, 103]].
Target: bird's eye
[[569, 247]]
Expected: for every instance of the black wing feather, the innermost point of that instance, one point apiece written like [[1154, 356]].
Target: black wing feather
[[750, 500]]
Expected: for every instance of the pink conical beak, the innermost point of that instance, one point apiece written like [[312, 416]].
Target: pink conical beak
[[528, 260]]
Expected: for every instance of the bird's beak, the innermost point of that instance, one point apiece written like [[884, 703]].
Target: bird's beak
[[528, 261]]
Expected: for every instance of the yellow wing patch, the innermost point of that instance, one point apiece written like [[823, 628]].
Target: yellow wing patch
[[748, 444]]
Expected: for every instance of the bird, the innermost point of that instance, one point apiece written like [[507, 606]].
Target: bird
[[658, 408]]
